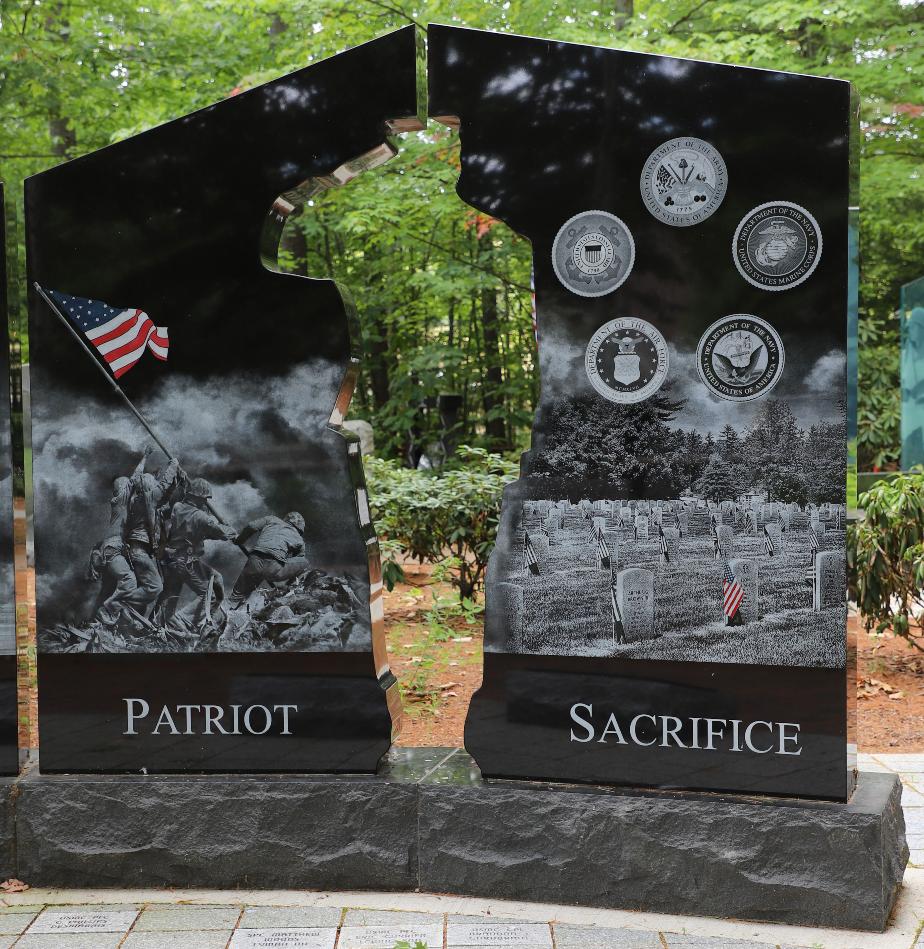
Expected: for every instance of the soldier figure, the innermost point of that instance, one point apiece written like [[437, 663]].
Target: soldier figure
[[143, 530], [109, 560], [277, 553], [191, 525]]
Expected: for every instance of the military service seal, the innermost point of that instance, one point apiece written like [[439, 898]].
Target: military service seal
[[740, 357], [593, 253], [626, 360], [684, 181], [777, 245]]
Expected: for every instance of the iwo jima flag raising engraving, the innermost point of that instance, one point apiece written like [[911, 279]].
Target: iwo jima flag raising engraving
[[208, 585], [673, 385]]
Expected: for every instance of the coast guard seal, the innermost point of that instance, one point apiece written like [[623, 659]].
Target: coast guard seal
[[593, 253], [684, 181], [626, 360], [740, 357], [777, 245]]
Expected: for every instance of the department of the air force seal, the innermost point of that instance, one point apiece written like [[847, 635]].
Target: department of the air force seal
[[740, 357], [777, 245], [626, 360], [684, 181], [593, 253]]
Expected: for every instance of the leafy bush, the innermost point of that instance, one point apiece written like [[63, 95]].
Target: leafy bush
[[432, 516], [886, 557]]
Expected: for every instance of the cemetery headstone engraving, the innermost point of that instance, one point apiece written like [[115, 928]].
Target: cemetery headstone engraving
[[9, 718], [690, 283], [208, 580]]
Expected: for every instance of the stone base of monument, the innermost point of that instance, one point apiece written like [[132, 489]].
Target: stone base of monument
[[429, 822]]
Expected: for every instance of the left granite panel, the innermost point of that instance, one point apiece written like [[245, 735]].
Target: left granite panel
[[208, 580]]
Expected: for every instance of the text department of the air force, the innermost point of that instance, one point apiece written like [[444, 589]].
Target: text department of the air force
[[698, 734]]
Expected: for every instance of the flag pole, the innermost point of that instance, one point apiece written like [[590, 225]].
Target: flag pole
[[118, 390]]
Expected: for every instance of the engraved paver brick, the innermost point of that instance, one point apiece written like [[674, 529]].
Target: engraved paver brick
[[390, 917], [173, 918], [598, 937], [289, 917]]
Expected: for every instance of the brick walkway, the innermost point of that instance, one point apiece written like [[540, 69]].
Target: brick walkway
[[49, 919]]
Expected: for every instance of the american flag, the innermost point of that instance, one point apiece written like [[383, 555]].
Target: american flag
[[813, 536], [713, 526], [603, 552], [732, 595], [530, 556], [781, 521], [769, 546], [619, 631], [715, 546], [662, 543], [543, 528], [120, 335]]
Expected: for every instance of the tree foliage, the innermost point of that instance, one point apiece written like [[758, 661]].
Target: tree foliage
[[434, 515], [442, 292], [886, 558]]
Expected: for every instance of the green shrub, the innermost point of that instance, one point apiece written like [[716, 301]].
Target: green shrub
[[435, 516], [886, 557]]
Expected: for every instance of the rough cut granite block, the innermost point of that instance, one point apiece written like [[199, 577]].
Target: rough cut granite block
[[228, 831], [800, 862]]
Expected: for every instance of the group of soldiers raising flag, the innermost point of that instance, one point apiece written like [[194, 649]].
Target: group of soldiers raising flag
[[154, 548]]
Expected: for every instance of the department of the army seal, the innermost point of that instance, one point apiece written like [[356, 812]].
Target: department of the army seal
[[593, 253], [740, 357], [684, 181], [626, 360], [777, 245]]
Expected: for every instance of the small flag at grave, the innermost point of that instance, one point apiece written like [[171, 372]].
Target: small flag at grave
[[619, 631], [715, 546], [529, 555], [603, 552], [543, 528], [769, 546], [713, 526], [732, 595], [119, 334], [813, 536], [662, 544], [781, 522]]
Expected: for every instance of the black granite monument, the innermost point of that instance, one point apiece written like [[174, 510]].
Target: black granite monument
[[208, 580], [666, 603], [9, 717]]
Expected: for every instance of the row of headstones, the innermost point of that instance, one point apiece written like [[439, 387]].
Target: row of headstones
[[696, 523], [554, 533], [633, 594], [766, 509]]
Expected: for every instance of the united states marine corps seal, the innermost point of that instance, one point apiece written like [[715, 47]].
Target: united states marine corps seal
[[777, 245], [626, 360], [684, 181], [593, 253], [740, 357]]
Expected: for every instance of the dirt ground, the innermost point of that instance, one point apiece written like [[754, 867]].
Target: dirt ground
[[890, 694]]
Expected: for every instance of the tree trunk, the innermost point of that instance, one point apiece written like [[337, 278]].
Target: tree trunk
[[492, 396], [622, 13]]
